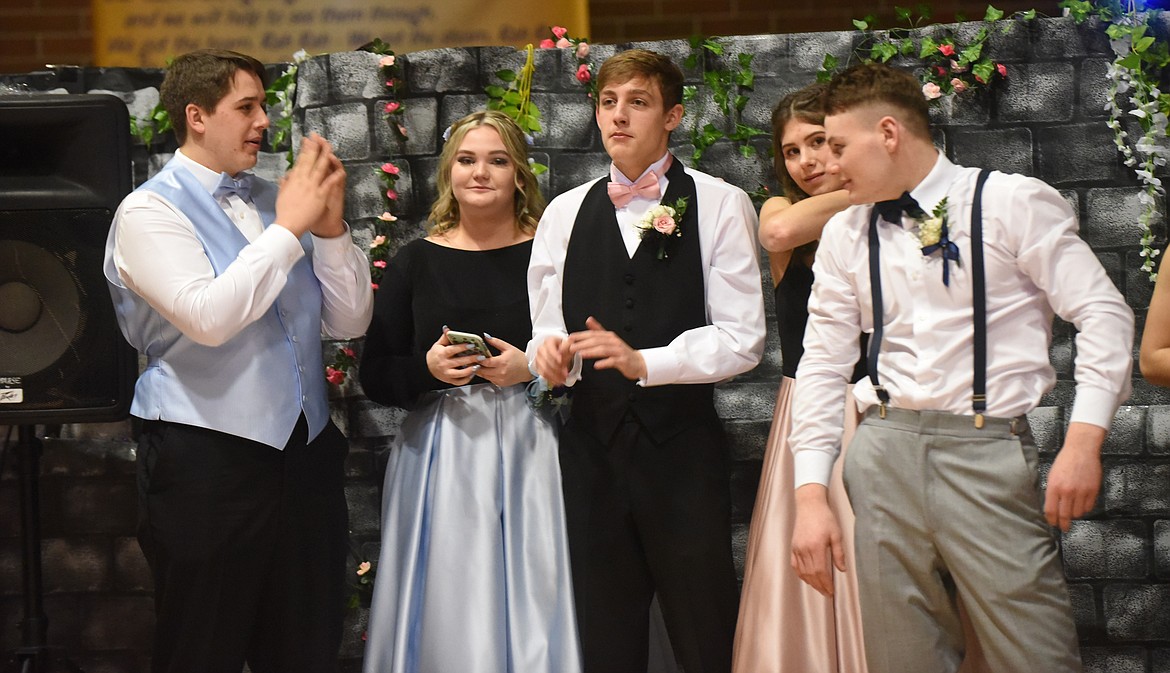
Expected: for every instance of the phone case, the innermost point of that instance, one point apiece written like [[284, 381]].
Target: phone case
[[457, 337]]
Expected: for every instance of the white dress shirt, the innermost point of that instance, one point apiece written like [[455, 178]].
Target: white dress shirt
[[1035, 263], [159, 257], [733, 340]]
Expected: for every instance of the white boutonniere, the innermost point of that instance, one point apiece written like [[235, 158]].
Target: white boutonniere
[[934, 236], [663, 223], [930, 229]]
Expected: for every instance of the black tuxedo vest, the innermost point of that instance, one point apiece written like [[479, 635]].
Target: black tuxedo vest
[[646, 301]]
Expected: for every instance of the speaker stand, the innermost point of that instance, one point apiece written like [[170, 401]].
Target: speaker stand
[[34, 655]]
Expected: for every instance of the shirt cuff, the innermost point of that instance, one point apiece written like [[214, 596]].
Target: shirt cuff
[[662, 366], [1094, 406], [812, 467], [334, 248], [281, 244]]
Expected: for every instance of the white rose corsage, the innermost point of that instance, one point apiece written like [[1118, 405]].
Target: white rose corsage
[[663, 223]]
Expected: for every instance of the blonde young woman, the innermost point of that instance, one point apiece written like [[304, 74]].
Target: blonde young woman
[[474, 571], [786, 626]]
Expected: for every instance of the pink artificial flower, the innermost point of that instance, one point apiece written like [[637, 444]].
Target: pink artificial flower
[[392, 107], [373, 286], [547, 43], [955, 67], [391, 194], [385, 217], [564, 43], [583, 74], [334, 376], [559, 31], [980, 79], [931, 90], [390, 83], [582, 50], [379, 240], [348, 352], [363, 568], [379, 264], [959, 85], [946, 49], [386, 61], [942, 72], [389, 168], [1001, 69], [402, 130], [664, 224]]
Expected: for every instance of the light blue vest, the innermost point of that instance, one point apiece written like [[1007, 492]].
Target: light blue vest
[[258, 383]]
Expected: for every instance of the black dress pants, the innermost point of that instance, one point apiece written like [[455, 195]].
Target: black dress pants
[[247, 545], [645, 517]]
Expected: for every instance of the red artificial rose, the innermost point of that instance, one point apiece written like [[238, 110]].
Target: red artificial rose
[[946, 49]]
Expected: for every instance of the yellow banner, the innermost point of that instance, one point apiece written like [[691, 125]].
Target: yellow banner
[[145, 33]]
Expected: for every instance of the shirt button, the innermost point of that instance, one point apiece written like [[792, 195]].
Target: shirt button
[[294, 340]]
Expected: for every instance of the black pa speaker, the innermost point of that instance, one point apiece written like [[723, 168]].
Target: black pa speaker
[[64, 168]]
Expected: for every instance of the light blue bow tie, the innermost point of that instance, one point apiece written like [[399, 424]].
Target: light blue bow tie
[[241, 187]]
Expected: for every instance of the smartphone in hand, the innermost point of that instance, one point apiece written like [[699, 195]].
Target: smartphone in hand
[[475, 340]]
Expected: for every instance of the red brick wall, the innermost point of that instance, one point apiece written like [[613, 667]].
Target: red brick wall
[[36, 32]]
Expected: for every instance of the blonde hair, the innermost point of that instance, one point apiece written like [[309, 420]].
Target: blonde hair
[[529, 202]]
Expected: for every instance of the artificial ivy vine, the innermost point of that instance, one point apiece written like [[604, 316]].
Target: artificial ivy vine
[[730, 89]]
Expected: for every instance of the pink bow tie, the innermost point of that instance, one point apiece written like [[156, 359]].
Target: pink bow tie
[[646, 187]]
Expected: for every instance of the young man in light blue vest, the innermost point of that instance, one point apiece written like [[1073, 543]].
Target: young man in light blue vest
[[225, 284]]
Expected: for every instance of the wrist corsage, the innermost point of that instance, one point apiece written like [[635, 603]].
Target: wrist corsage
[[663, 223]]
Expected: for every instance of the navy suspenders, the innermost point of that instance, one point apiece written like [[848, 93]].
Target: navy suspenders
[[978, 305]]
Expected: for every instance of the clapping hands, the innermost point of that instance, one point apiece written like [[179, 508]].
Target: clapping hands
[[312, 193]]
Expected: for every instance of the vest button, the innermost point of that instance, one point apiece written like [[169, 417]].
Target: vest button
[[629, 278], [294, 339], [629, 303]]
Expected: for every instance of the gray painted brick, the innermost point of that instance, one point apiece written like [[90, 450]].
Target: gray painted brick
[[455, 107], [1111, 216], [1113, 659], [1092, 90], [420, 117], [117, 622], [770, 55], [1061, 38], [807, 50], [92, 507], [566, 78], [745, 400], [1162, 549], [723, 160], [1047, 425], [131, 572], [1037, 92], [1007, 41], [1111, 262], [739, 538], [1117, 549], [363, 194], [313, 82], [676, 50], [365, 508], [369, 419], [77, 564], [747, 439], [1127, 432], [971, 108], [1138, 288], [1076, 152], [567, 121], [355, 74], [1137, 611], [1158, 430], [1135, 488], [1008, 150], [1161, 660], [1084, 608], [347, 126], [443, 70], [547, 62], [570, 170], [1060, 354]]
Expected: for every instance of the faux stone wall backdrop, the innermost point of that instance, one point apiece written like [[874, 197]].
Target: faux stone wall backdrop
[[1047, 120]]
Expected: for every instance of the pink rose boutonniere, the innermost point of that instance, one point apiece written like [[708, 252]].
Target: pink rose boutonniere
[[663, 223]]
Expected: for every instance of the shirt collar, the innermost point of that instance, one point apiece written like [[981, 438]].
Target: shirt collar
[[935, 185], [206, 177], [617, 176]]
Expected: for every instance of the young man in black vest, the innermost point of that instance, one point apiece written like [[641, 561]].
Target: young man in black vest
[[645, 292], [957, 281]]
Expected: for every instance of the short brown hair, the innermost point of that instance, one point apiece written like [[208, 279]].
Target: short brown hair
[[806, 105], [202, 77], [626, 65], [877, 83], [528, 201]]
